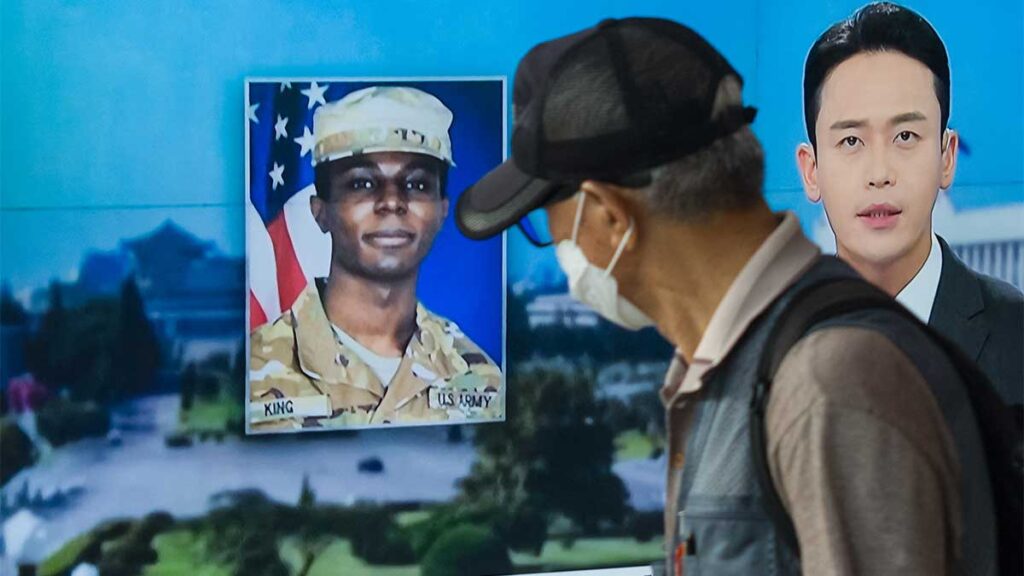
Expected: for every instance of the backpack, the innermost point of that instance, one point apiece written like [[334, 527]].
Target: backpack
[[1000, 428]]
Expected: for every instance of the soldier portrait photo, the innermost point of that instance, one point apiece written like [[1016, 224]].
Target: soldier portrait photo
[[357, 342]]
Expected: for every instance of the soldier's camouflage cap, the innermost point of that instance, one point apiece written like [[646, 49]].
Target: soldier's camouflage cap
[[382, 119]]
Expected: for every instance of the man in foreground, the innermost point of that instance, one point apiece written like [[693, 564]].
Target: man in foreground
[[633, 137]]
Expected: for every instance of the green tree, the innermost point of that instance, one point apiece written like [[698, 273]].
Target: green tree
[[311, 540], [236, 384], [379, 539], [129, 554], [650, 413], [467, 550], [50, 346], [259, 558], [189, 381], [11, 312], [90, 346], [137, 345], [16, 451], [245, 528], [553, 455], [520, 344], [218, 362], [81, 349], [307, 498], [61, 421], [209, 385]]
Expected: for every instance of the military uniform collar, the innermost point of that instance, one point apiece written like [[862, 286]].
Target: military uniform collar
[[430, 354]]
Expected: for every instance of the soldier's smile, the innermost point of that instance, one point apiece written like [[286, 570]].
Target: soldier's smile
[[389, 239]]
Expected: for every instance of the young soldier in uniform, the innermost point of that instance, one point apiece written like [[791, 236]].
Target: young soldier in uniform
[[876, 105], [632, 136], [357, 348]]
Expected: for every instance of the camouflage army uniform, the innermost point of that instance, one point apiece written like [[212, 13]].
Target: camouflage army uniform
[[318, 382]]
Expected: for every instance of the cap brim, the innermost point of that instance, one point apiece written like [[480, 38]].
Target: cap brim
[[499, 200]]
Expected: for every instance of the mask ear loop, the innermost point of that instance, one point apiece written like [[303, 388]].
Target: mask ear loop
[[579, 217], [620, 249]]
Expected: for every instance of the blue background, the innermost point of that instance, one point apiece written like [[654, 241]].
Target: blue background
[[110, 106]]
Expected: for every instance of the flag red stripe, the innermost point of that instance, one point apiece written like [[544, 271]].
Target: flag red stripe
[[290, 279], [257, 317]]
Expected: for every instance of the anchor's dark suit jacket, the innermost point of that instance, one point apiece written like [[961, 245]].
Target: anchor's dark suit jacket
[[985, 317]]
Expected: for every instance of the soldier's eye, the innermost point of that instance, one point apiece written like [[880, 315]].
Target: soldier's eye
[[417, 186], [360, 184]]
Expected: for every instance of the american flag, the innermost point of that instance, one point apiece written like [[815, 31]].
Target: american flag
[[285, 247]]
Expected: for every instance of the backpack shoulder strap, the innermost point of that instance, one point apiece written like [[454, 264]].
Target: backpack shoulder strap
[[999, 425], [811, 305]]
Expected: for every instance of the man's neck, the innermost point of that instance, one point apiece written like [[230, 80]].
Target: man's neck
[[693, 267], [891, 276], [379, 315]]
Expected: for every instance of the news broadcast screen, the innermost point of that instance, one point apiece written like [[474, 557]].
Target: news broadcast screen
[[241, 333]]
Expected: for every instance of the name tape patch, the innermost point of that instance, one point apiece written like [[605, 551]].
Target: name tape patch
[[281, 408], [465, 400]]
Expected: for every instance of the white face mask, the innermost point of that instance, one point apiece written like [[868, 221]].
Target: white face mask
[[595, 287]]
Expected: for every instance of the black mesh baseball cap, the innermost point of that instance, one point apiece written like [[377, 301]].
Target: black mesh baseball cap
[[654, 103]]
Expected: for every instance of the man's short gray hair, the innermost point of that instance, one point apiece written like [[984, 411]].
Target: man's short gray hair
[[726, 175]]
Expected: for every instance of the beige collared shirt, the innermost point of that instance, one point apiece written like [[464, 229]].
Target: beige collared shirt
[[858, 448], [783, 257]]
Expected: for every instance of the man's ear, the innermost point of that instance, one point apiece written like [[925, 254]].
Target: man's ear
[[950, 153], [807, 165], [319, 210], [612, 207]]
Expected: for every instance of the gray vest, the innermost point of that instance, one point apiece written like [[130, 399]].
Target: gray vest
[[721, 516]]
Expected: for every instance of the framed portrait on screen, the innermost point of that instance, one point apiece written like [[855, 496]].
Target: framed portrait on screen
[[366, 307]]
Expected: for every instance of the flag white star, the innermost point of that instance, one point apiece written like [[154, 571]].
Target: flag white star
[[279, 128], [277, 175], [250, 113], [315, 94], [285, 86], [306, 141]]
